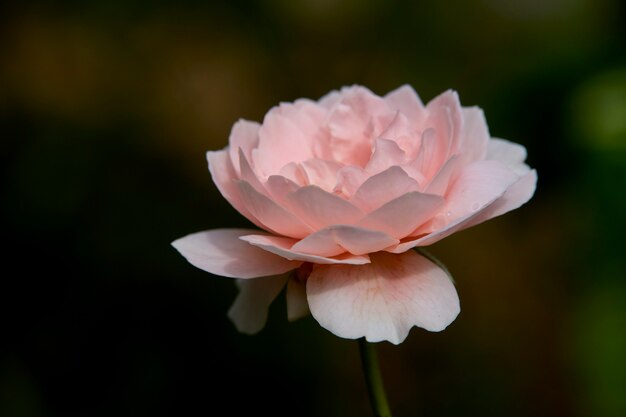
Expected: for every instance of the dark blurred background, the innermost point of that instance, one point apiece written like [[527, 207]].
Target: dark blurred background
[[107, 109]]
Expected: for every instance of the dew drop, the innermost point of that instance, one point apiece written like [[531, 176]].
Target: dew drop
[[475, 206], [448, 213]]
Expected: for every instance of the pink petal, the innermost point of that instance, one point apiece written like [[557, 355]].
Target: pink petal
[[279, 186], [384, 299], [349, 179], [510, 154], [306, 114], [446, 119], [383, 187], [515, 195], [248, 174], [335, 240], [245, 136], [440, 183], [224, 177], [282, 246], [475, 135], [386, 154], [320, 209], [249, 311], [221, 252], [400, 217], [280, 142], [297, 304], [273, 216], [321, 173], [406, 100]]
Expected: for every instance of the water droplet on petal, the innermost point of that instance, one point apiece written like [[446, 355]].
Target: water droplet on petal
[[475, 206], [448, 213]]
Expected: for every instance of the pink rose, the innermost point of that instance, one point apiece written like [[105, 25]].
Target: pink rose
[[343, 189]]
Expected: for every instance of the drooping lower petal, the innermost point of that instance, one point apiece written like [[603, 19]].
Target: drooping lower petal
[[249, 311], [384, 299], [221, 252]]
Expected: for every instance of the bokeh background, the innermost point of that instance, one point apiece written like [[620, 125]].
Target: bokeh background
[[107, 109]]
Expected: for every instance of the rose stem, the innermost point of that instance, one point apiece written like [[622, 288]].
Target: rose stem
[[373, 379]]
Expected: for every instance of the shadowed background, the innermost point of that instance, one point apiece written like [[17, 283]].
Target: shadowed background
[[106, 111]]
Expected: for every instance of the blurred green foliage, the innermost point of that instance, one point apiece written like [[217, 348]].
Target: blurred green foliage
[[107, 109]]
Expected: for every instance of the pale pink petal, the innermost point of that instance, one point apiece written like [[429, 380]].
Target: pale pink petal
[[279, 186], [280, 142], [440, 183], [244, 135], [335, 240], [516, 195], [406, 100], [249, 311], [306, 114], [320, 209], [321, 173], [386, 154], [446, 119], [475, 135], [221, 252], [349, 179], [401, 216], [329, 100], [224, 177], [294, 172], [297, 304], [271, 215], [510, 154], [382, 188], [382, 300], [426, 162], [282, 246], [477, 185], [401, 132], [247, 173]]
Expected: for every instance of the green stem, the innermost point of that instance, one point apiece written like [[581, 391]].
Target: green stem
[[373, 379]]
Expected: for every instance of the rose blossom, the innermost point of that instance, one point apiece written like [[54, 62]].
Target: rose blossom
[[343, 189]]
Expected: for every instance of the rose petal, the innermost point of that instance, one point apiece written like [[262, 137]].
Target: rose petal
[[221, 252], [248, 174], [273, 216], [280, 142], [335, 240], [475, 135], [387, 153], [384, 299], [249, 311], [297, 304], [515, 196], [321, 209], [406, 100], [440, 183], [282, 246], [321, 173], [245, 136], [382, 188], [224, 177], [510, 154], [399, 217]]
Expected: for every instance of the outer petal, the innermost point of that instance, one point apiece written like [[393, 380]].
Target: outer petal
[[249, 311], [225, 177], [273, 216], [510, 154], [384, 299], [475, 135], [282, 246], [515, 196], [335, 240], [221, 252], [244, 136]]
